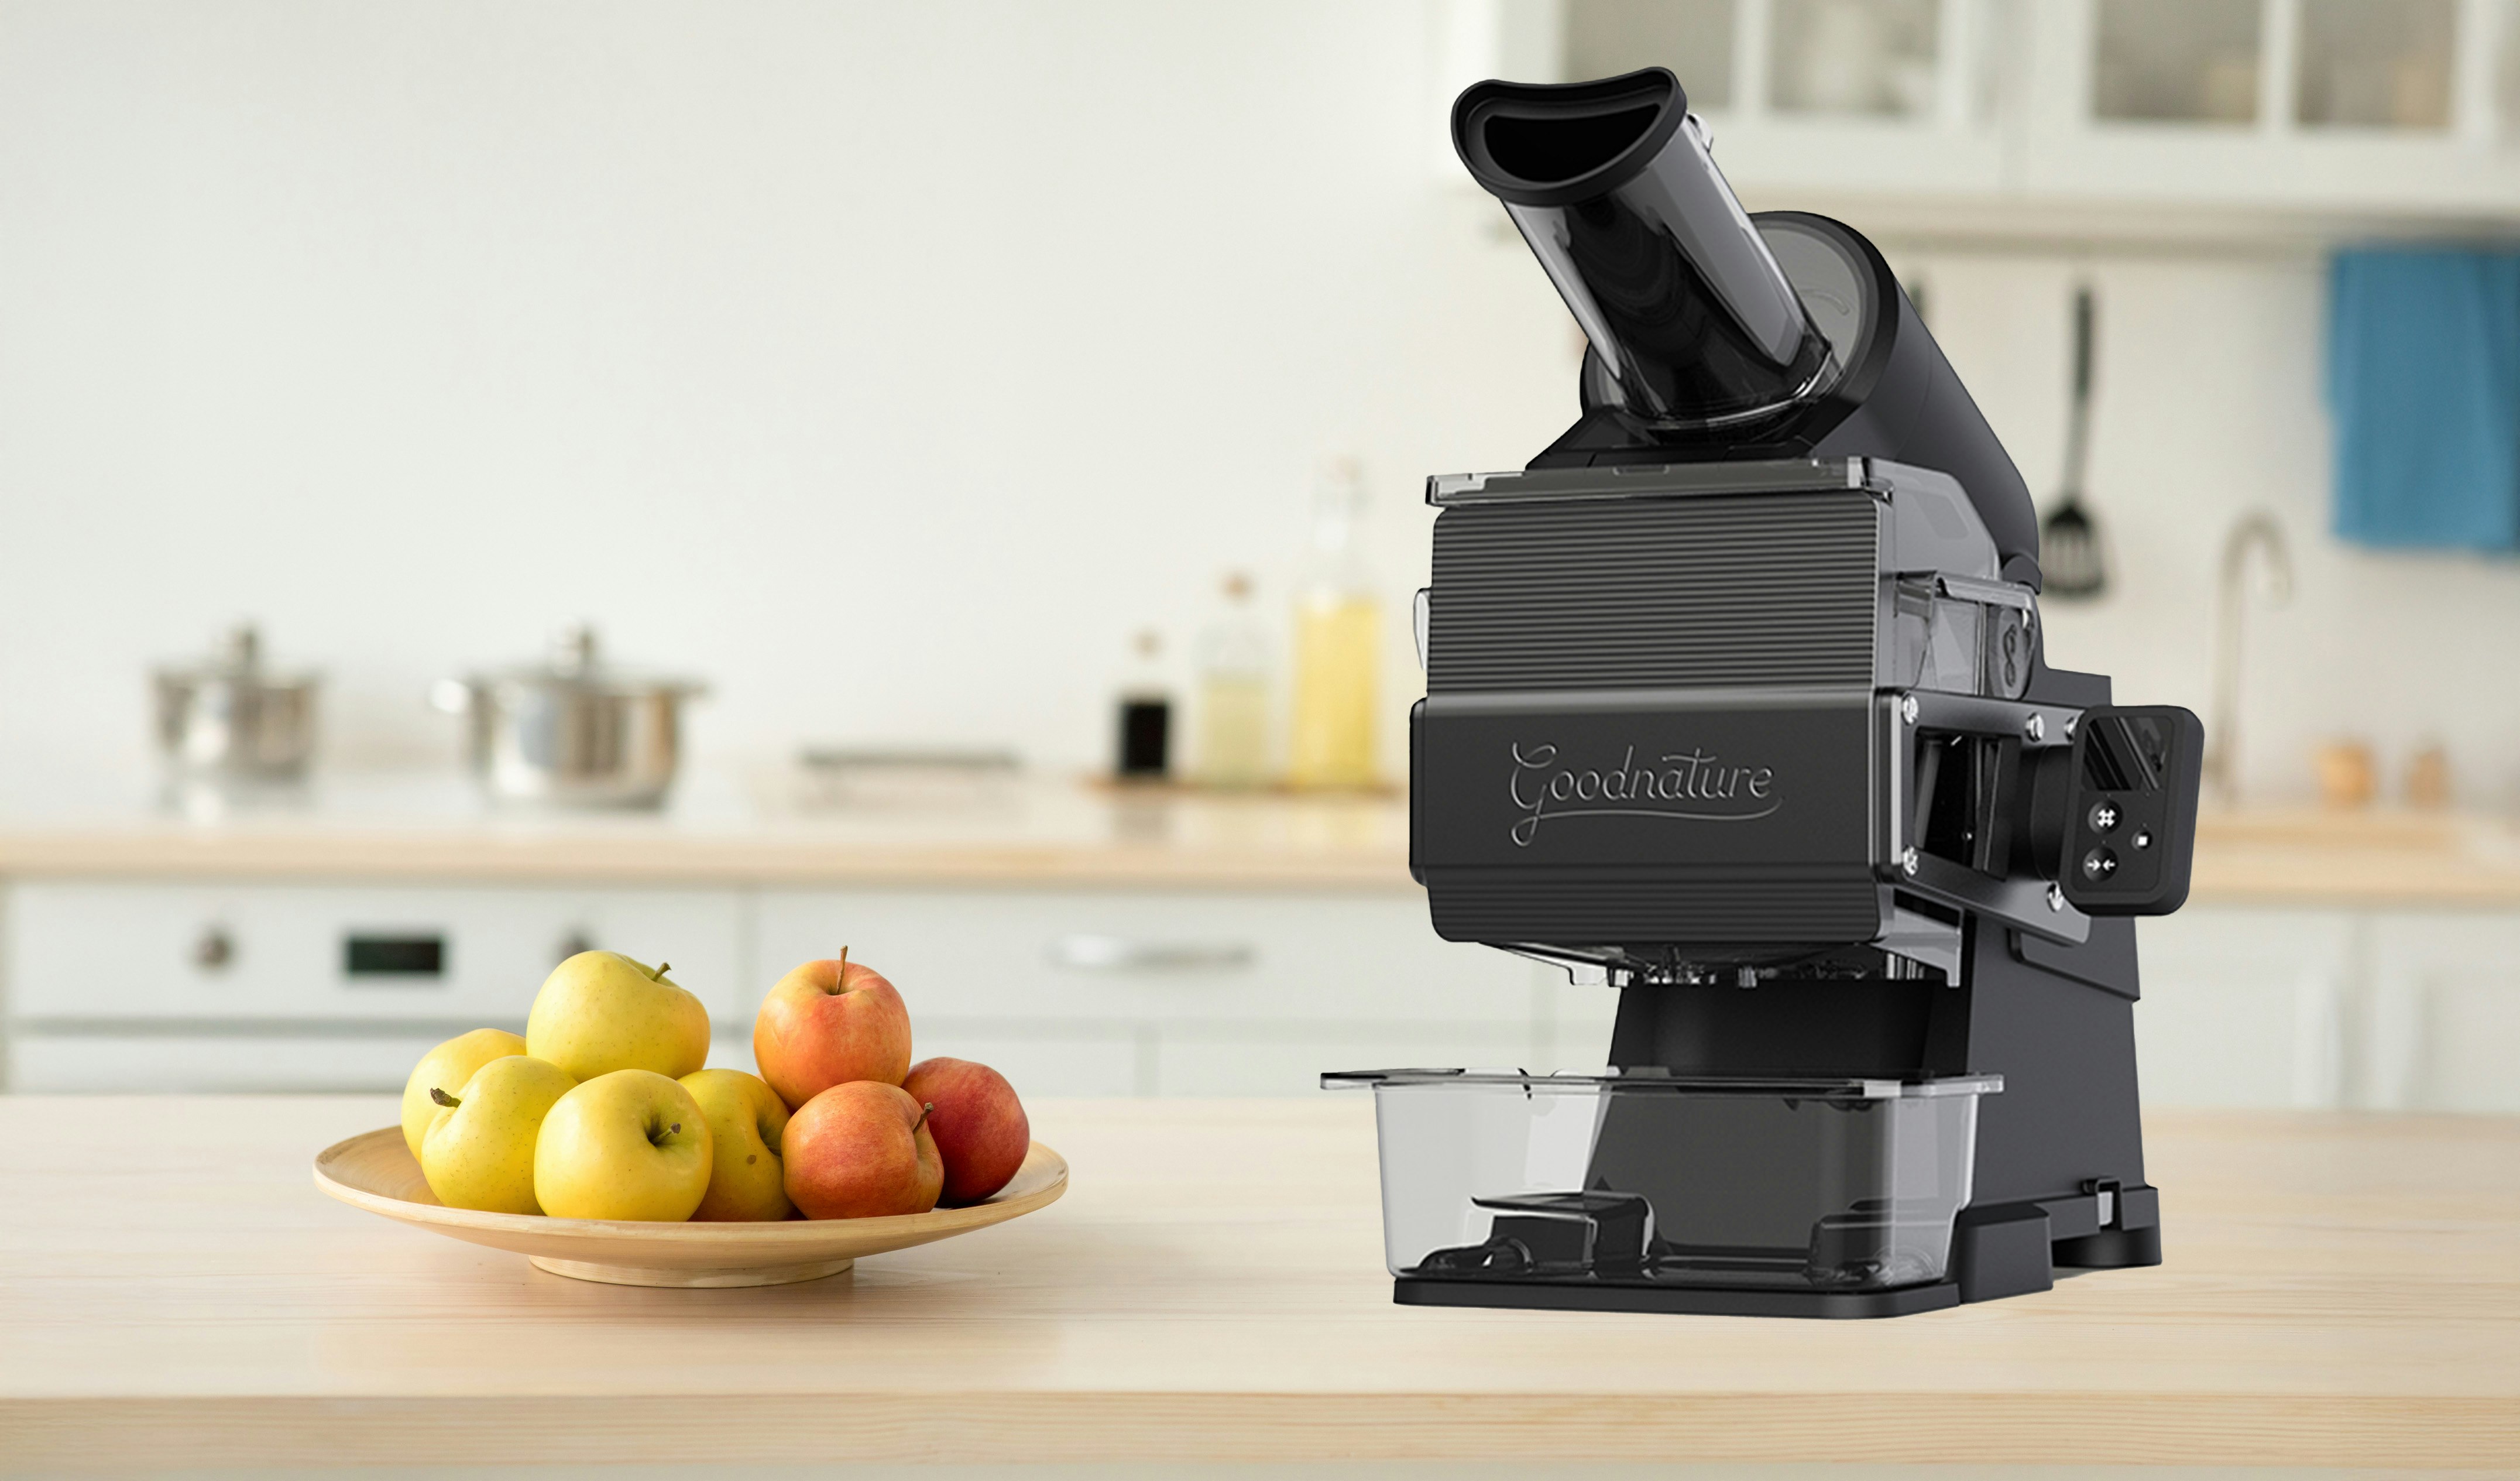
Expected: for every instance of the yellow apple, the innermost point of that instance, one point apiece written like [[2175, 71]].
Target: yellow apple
[[479, 1151], [630, 1144], [446, 1067], [744, 1118], [600, 1011]]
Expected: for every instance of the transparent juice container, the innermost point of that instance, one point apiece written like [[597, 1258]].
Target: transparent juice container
[[1826, 1184]]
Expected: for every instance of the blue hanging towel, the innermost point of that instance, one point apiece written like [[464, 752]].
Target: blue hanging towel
[[2423, 378]]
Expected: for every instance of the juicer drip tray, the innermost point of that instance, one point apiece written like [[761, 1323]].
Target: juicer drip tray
[[1692, 1300], [1633, 1182]]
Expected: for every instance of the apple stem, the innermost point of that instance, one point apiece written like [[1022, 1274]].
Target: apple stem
[[442, 1098], [925, 1111], [841, 978], [659, 975]]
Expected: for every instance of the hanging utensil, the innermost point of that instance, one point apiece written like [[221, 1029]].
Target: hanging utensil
[[2069, 539]]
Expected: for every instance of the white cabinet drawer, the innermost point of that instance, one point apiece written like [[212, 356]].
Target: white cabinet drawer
[[2241, 1007], [198, 1063], [83, 954], [2440, 1015], [1146, 957], [1048, 1059]]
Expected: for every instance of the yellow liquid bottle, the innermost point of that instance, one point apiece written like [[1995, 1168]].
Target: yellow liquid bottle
[[1232, 750], [1338, 637], [1233, 730], [1338, 640]]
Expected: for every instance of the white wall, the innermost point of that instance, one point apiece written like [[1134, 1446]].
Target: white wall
[[889, 365], [886, 364]]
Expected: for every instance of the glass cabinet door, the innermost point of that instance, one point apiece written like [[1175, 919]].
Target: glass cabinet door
[[2374, 64], [2351, 110], [2176, 61], [1877, 56], [1808, 59], [1694, 38]]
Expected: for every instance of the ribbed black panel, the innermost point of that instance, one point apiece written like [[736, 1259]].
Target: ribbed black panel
[[1481, 905], [1654, 594]]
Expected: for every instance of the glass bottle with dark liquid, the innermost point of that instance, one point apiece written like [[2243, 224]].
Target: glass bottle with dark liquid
[[1146, 715]]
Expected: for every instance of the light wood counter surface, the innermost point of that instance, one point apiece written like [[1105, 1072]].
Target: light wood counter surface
[[2341, 1291], [1036, 833], [1042, 833]]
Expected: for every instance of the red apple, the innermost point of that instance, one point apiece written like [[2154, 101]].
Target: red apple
[[979, 1125], [828, 1023], [860, 1150]]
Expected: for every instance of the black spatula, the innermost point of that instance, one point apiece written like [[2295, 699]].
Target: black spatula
[[2069, 540]]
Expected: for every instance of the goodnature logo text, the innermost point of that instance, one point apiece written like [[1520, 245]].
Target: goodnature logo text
[[1690, 785]]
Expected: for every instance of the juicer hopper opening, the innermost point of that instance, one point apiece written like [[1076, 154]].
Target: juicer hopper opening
[[1689, 316], [1553, 152]]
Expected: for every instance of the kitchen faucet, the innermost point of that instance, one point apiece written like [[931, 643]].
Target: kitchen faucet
[[2256, 529]]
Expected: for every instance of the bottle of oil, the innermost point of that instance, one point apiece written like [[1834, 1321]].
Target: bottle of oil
[[1338, 637], [1146, 715], [1233, 745]]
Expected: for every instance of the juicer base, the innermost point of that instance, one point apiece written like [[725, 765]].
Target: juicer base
[[1707, 1301]]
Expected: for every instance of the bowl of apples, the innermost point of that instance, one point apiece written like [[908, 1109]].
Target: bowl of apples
[[597, 1145]]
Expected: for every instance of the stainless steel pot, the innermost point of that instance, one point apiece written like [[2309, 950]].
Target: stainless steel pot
[[573, 731], [228, 718]]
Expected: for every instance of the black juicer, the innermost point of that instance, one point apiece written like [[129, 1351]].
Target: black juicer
[[1737, 703]]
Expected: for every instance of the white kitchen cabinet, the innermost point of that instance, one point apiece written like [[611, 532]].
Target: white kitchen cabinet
[[1155, 957], [283, 986], [198, 1057], [1047, 1059], [2309, 141], [1207, 993], [1824, 95], [113, 986], [1983, 116], [2243, 1007], [2370, 1009], [2440, 1015]]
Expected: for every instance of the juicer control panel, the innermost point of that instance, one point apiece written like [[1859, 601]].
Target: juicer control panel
[[2131, 825]]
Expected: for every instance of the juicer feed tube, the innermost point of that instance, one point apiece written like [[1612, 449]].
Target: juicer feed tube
[[1611, 185]]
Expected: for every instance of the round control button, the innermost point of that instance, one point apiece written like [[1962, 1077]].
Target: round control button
[[2143, 837], [2104, 817], [2099, 863]]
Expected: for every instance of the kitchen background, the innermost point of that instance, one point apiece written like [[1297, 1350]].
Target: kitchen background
[[891, 367]]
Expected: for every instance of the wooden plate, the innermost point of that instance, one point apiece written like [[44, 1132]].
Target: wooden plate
[[374, 1171]]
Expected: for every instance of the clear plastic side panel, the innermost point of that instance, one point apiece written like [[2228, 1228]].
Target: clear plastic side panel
[[1608, 1183], [1940, 643]]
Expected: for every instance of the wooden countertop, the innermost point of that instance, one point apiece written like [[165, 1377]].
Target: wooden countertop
[[2378, 858], [2342, 1291], [1050, 833], [723, 830]]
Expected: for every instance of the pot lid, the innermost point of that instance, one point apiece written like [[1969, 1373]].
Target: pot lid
[[236, 659], [578, 661]]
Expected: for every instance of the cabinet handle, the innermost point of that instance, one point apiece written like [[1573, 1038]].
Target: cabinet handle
[[1119, 954], [213, 949]]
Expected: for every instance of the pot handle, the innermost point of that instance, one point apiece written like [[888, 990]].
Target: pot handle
[[453, 696]]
